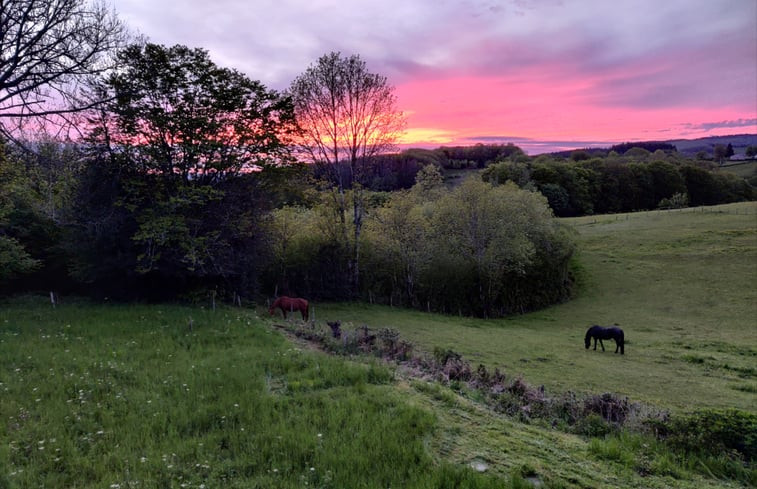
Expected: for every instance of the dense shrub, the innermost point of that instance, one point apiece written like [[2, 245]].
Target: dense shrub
[[478, 249], [713, 431]]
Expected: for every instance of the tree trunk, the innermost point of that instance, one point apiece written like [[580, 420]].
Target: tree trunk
[[358, 211]]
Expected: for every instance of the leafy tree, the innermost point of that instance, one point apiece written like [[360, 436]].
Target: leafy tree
[[580, 155], [676, 201], [666, 180], [15, 259], [495, 233], [751, 151], [429, 178], [177, 114], [54, 168], [701, 186], [558, 198], [347, 116], [638, 153], [722, 152], [518, 173], [178, 149], [49, 49]]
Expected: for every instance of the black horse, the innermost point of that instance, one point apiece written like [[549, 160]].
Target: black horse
[[600, 333]]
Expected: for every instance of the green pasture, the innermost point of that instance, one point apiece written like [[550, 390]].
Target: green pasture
[[743, 169], [681, 283], [121, 396], [97, 396], [138, 396]]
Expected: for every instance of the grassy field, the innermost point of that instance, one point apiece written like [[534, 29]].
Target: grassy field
[[682, 285], [129, 397], [743, 169], [132, 396]]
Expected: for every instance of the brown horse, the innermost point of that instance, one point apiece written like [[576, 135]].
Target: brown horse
[[290, 304]]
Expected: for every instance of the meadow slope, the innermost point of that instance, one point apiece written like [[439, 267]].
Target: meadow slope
[[124, 396], [682, 284]]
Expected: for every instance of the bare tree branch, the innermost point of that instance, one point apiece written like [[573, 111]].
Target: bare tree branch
[[347, 116], [49, 49]]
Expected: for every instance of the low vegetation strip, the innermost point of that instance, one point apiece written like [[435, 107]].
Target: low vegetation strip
[[715, 443]]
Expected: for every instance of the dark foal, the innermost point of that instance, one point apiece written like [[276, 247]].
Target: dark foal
[[600, 333]]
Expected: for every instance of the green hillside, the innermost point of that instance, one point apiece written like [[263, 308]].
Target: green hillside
[[172, 396], [682, 285]]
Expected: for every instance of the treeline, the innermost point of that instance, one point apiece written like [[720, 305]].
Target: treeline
[[186, 187], [622, 184], [398, 170], [477, 249], [78, 222], [650, 146]]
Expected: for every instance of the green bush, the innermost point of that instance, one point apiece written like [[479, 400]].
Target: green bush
[[676, 201], [714, 431], [593, 425]]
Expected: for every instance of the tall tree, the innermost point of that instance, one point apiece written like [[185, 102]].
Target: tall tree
[[179, 142], [347, 116], [48, 49], [15, 193]]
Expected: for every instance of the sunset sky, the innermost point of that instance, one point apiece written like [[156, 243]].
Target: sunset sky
[[542, 74]]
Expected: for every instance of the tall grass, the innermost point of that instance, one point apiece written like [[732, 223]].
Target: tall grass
[[130, 396]]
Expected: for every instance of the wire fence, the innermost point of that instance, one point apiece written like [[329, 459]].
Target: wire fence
[[740, 208]]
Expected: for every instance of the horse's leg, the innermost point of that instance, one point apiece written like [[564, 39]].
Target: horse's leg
[[602, 344], [595, 343], [284, 311]]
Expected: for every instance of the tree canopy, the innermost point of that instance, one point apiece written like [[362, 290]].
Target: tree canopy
[[172, 170]]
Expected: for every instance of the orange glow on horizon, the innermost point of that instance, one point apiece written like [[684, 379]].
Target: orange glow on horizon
[[467, 110]]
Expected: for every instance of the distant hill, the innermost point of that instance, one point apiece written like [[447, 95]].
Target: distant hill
[[688, 147], [693, 146]]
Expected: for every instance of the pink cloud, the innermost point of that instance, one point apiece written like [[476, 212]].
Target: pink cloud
[[466, 108]]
